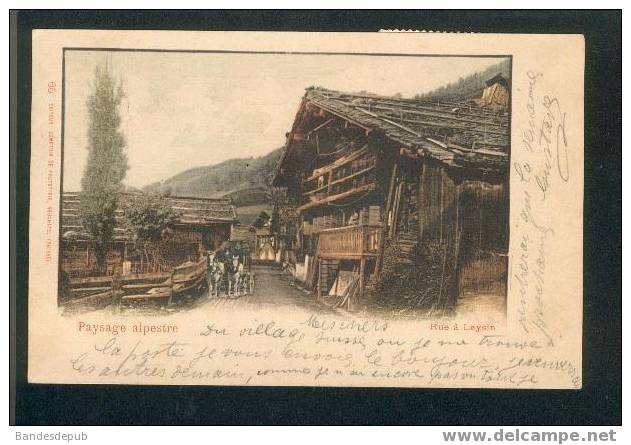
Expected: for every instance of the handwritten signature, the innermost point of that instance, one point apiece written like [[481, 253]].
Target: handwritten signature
[[544, 139]]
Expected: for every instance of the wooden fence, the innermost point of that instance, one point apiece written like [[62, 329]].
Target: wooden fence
[[161, 288], [188, 277]]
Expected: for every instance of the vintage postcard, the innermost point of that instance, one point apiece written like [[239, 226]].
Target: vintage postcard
[[306, 209]]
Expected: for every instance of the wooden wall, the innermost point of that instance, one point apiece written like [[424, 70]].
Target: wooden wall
[[181, 245], [463, 224], [215, 236], [78, 259], [206, 237]]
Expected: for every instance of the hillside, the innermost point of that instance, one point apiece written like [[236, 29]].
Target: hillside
[[470, 86], [245, 180]]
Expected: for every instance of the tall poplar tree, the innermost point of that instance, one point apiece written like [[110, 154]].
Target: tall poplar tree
[[106, 166]]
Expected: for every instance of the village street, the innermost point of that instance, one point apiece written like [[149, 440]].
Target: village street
[[273, 289]]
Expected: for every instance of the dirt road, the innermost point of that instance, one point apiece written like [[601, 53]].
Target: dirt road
[[273, 288]]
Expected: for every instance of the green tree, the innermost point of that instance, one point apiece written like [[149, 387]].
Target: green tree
[[106, 166], [150, 216]]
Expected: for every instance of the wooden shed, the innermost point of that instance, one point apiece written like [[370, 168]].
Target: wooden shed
[[201, 224]]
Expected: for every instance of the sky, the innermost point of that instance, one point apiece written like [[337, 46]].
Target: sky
[[184, 110]]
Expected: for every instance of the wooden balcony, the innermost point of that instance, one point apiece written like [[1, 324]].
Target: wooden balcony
[[350, 242]]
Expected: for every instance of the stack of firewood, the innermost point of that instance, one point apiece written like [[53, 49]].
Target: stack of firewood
[[415, 285]]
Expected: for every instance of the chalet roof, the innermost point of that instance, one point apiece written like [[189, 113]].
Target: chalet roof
[[411, 121], [457, 133], [190, 211], [498, 78], [201, 211]]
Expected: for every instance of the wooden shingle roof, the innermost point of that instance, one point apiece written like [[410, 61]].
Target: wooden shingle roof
[[460, 134], [190, 211], [410, 121]]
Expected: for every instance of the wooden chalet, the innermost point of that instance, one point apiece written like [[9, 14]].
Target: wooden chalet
[[202, 224], [496, 92], [245, 235], [258, 237], [393, 189], [265, 241]]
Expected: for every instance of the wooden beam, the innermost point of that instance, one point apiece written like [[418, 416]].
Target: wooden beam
[[362, 271], [340, 115], [319, 127], [402, 127], [395, 211], [385, 226], [319, 278], [420, 193], [364, 188], [345, 256], [337, 181], [341, 161], [361, 172], [447, 115]]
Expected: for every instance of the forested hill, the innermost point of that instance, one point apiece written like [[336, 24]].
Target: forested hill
[[246, 180], [470, 86]]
